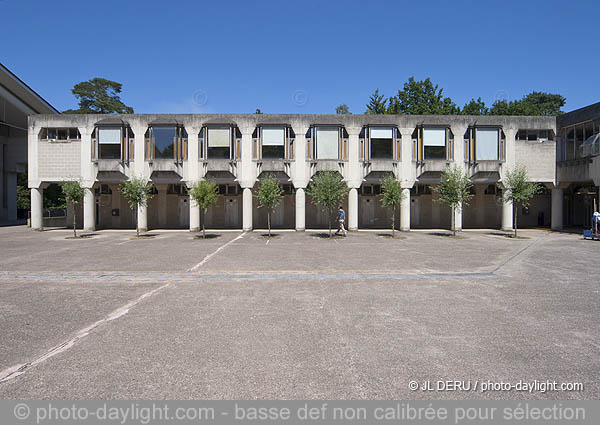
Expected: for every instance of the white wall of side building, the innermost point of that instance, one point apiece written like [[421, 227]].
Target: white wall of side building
[[51, 161]]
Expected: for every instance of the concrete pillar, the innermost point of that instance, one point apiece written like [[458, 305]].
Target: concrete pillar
[[247, 210], [142, 218], [507, 216], [89, 210], [405, 211], [353, 209], [557, 209], [37, 205], [11, 196], [300, 210], [194, 216]]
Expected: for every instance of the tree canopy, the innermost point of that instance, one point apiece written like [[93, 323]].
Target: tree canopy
[[73, 194], [328, 190], [137, 192], [204, 193], [426, 98], [454, 190], [519, 190], [269, 196], [99, 96], [393, 195], [342, 109]]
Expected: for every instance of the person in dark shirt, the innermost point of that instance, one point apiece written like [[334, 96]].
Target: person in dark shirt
[[341, 217]]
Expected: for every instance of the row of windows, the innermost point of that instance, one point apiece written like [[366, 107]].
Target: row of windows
[[276, 142], [578, 141]]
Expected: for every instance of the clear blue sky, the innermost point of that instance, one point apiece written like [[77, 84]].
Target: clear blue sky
[[307, 56]]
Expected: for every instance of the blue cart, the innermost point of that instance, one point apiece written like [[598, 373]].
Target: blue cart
[[594, 232]]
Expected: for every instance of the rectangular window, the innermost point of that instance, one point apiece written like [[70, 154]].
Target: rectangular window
[[219, 143], [164, 142], [74, 133], [570, 142], [434, 143], [109, 143], [52, 134], [61, 134], [327, 142], [381, 142], [273, 142], [486, 148], [578, 139]]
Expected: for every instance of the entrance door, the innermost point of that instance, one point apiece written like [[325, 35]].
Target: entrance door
[[367, 211], [232, 216], [184, 213]]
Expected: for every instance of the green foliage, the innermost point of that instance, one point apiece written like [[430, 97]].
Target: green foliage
[[454, 190], [269, 195], [535, 103], [99, 96], [23, 198], [54, 198], [137, 192], [204, 193], [475, 107], [258, 111], [421, 98], [377, 104], [342, 109], [519, 190], [328, 190], [73, 192], [393, 195]]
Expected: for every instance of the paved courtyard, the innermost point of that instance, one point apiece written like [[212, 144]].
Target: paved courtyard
[[298, 316]]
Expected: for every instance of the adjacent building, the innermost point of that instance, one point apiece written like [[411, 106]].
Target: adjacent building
[[175, 151], [17, 101]]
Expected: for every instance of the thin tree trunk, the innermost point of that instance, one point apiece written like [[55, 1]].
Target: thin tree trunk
[[137, 220], [515, 218], [203, 228], [393, 222], [269, 222], [453, 221], [329, 221], [74, 231]]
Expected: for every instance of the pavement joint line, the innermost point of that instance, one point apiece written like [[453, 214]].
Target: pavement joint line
[[517, 254], [253, 275], [209, 256], [15, 371]]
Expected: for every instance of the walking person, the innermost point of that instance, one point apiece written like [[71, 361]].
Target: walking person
[[341, 217]]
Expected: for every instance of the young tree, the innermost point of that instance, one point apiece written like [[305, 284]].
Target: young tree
[[519, 190], [269, 195], [327, 190], [342, 109], [391, 190], [454, 190], [99, 96], [204, 193], [377, 104], [137, 191], [73, 194]]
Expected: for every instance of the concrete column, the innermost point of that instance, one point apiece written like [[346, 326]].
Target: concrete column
[[507, 216], [11, 196], [89, 210], [405, 211], [557, 209], [353, 209], [247, 210], [300, 210], [194, 216], [142, 218], [37, 205]]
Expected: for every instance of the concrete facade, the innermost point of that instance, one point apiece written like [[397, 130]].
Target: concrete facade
[[578, 167], [356, 146]]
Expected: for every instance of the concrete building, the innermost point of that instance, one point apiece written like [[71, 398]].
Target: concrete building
[[17, 101], [578, 166], [174, 151]]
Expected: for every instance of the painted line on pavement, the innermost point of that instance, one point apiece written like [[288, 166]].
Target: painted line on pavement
[[209, 256]]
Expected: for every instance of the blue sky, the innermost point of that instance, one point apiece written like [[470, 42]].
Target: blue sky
[[300, 57]]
